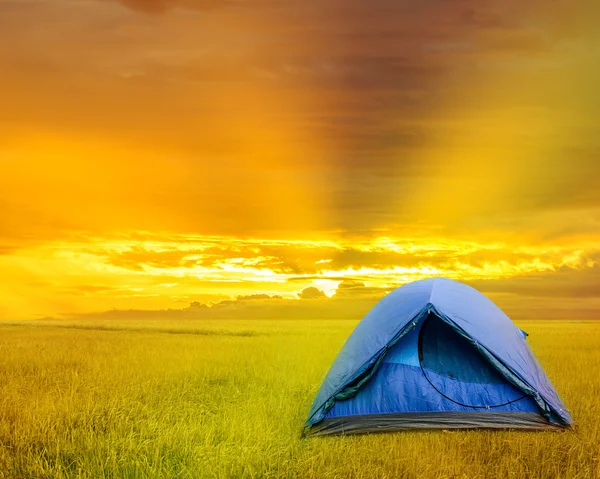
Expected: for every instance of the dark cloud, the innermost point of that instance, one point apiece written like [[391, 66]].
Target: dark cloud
[[351, 289], [257, 297], [272, 308], [311, 293], [90, 289], [6, 250], [149, 6], [197, 305], [224, 304], [161, 6], [520, 298], [357, 258], [285, 259], [567, 293], [563, 283], [137, 257], [349, 284]]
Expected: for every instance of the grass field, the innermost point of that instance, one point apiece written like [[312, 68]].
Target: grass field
[[152, 399]]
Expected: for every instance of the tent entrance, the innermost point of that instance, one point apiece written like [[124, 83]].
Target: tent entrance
[[458, 371]]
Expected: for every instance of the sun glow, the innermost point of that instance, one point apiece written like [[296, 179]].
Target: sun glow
[[141, 269], [204, 147]]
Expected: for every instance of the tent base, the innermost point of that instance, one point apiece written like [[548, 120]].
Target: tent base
[[374, 423]]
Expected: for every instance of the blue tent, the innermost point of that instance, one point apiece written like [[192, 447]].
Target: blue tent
[[435, 354]]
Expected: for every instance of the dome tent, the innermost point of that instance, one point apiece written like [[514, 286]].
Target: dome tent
[[435, 353]]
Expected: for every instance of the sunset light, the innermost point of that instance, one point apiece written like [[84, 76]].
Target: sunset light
[[155, 153]]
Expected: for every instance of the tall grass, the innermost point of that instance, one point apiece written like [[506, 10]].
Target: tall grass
[[164, 399]]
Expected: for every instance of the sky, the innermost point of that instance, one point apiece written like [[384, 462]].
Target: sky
[[157, 153]]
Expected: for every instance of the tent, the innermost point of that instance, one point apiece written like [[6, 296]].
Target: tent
[[435, 353]]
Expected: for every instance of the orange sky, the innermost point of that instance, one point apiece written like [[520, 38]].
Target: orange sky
[[158, 152]]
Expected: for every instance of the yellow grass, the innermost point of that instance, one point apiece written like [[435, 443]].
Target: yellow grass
[[152, 399]]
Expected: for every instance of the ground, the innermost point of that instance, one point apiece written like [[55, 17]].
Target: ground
[[167, 399]]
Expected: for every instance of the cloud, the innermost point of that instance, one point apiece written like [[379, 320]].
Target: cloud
[[350, 284], [318, 306], [566, 283], [350, 289], [161, 6], [257, 297], [311, 293], [6, 250], [146, 271], [196, 305], [521, 298], [149, 6]]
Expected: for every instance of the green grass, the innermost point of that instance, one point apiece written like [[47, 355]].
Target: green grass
[[152, 399]]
